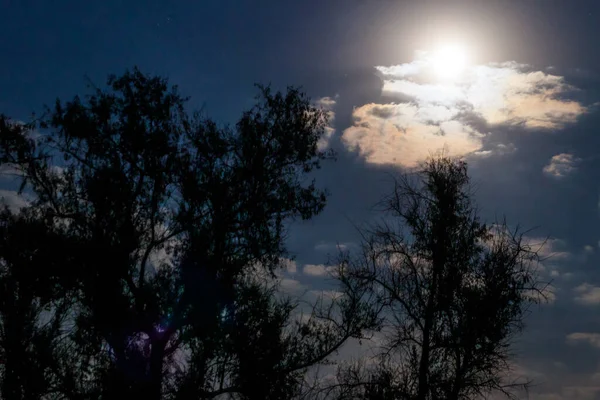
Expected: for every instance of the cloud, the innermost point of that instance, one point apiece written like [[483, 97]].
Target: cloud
[[545, 295], [319, 270], [547, 396], [327, 104], [315, 270], [587, 294], [516, 372], [327, 294], [567, 275], [593, 339], [548, 249], [407, 134], [504, 93], [12, 199], [561, 165], [291, 286], [289, 265], [499, 149], [432, 114], [334, 247], [501, 93], [10, 171], [581, 392]]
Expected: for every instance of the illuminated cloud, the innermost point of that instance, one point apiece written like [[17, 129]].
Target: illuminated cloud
[[506, 94], [431, 114], [406, 134], [499, 150], [561, 165]]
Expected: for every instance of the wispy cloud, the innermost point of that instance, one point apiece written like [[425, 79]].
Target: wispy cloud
[[581, 392], [549, 249], [292, 286], [499, 150], [430, 114], [315, 270], [561, 165], [12, 199], [289, 265], [319, 270], [327, 104], [587, 294], [333, 247], [593, 339], [327, 294]]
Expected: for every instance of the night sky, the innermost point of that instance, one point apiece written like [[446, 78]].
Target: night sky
[[511, 85]]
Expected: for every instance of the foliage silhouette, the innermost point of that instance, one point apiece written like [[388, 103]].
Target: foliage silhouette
[[453, 291], [31, 339], [154, 241]]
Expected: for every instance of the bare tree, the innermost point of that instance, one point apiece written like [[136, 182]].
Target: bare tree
[[453, 291]]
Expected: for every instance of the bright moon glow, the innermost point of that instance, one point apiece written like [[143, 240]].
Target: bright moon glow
[[449, 61]]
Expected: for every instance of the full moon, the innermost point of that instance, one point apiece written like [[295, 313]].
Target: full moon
[[449, 61]]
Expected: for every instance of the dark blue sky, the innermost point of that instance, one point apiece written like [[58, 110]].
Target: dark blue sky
[[528, 127], [216, 49]]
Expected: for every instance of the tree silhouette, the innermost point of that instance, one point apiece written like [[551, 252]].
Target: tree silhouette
[[453, 291], [154, 241], [32, 306]]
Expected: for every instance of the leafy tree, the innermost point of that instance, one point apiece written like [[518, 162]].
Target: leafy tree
[[168, 231], [453, 291], [33, 307]]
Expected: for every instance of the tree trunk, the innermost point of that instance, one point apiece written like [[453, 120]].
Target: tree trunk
[[438, 256], [154, 385], [423, 389]]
